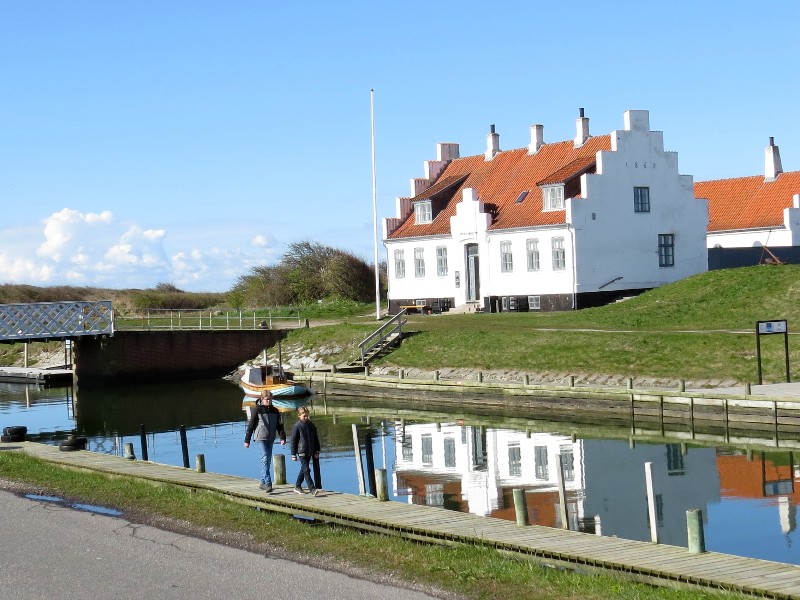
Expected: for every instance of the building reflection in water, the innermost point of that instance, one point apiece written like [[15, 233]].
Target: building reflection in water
[[476, 469]]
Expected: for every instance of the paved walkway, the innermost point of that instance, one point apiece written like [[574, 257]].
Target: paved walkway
[[659, 564]]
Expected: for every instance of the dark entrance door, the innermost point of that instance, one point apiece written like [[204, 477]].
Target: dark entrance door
[[473, 286]]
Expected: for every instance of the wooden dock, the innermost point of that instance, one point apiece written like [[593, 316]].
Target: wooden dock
[[657, 564], [34, 375]]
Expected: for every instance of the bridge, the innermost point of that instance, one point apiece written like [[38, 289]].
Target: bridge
[[155, 346]]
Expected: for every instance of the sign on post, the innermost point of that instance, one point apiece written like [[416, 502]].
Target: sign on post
[[771, 328]]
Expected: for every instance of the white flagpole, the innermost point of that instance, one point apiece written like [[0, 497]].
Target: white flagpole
[[375, 211]]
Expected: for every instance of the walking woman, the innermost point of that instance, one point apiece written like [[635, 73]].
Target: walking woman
[[264, 424]]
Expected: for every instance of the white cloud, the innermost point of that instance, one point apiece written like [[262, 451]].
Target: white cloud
[[74, 248]]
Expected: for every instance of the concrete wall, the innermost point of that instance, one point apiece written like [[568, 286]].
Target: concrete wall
[[153, 356]]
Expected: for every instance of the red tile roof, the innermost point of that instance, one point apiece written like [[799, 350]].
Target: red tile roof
[[500, 181], [747, 202]]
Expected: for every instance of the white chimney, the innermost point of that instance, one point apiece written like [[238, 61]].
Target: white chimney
[[492, 144], [447, 151], [582, 130], [772, 161], [537, 138]]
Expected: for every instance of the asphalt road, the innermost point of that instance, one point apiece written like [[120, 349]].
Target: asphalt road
[[51, 550]]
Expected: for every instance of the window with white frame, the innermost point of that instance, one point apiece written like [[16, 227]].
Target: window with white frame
[[423, 212], [506, 260], [514, 459], [399, 264], [553, 197], [641, 199], [540, 462], [441, 261], [666, 249], [559, 254], [419, 262], [534, 302], [532, 247]]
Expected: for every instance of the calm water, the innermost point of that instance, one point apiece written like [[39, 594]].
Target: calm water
[[464, 462]]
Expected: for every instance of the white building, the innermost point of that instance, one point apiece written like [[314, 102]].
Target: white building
[[756, 211], [547, 227]]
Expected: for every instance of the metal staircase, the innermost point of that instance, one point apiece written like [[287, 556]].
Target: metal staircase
[[381, 341]]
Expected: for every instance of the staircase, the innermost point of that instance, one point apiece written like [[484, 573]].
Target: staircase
[[381, 341]]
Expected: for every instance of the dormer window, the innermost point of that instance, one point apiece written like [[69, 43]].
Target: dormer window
[[553, 197], [423, 212]]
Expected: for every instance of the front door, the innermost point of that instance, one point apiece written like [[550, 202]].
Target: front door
[[473, 288]]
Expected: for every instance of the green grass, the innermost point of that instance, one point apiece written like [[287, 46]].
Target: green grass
[[473, 572], [698, 328]]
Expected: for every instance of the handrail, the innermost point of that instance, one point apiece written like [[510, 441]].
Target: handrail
[[396, 323], [177, 319]]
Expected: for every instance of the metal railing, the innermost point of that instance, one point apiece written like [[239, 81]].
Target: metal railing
[[174, 319], [378, 337], [55, 320]]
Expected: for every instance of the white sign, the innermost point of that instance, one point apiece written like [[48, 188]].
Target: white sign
[[767, 327]]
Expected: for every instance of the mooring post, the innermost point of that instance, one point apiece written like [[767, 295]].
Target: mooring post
[[143, 438], [184, 447], [682, 385], [480, 376], [370, 463], [359, 467], [651, 501], [436, 375], [694, 528], [562, 493], [279, 466], [366, 371], [526, 380], [200, 463], [747, 389], [317, 472], [129, 451], [521, 507], [383, 484], [572, 381], [401, 374]]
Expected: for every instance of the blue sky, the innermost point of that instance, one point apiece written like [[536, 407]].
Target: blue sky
[[188, 141]]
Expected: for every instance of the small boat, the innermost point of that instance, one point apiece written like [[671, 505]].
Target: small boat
[[257, 378]]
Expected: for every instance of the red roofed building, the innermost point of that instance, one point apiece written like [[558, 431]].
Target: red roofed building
[[753, 212], [552, 226]]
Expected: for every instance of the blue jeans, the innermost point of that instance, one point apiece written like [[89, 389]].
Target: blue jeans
[[266, 461]]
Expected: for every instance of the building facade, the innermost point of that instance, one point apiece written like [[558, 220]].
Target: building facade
[[754, 219], [553, 226]]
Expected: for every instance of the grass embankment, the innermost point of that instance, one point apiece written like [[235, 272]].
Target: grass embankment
[[700, 328], [473, 572]]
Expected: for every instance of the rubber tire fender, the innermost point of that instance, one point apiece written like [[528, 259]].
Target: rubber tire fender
[[72, 444], [12, 438], [15, 430]]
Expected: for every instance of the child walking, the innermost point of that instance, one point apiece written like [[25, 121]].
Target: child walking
[[305, 444]]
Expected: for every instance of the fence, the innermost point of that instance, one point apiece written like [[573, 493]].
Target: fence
[[158, 319]]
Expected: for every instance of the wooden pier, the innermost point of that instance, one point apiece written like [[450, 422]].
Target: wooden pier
[[657, 564], [34, 375]]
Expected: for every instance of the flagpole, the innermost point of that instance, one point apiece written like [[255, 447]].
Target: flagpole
[[375, 210]]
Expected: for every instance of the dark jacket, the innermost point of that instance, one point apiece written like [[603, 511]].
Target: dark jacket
[[305, 440], [264, 432]]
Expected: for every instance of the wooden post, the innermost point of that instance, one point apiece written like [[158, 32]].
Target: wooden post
[[279, 467], [401, 374], [651, 502], [129, 451], [629, 383], [184, 447], [382, 485], [572, 381], [526, 380], [682, 385], [370, 464], [521, 507], [694, 528], [366, 371], [480, 376], [436, 375], [747, 389], [562, 494], [200, 463], [143, 438], [359, 466], [25, 355], [325, 384]]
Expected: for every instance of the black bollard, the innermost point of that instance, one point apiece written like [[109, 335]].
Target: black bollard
[[373, 487], [143, 436], [184, 447]]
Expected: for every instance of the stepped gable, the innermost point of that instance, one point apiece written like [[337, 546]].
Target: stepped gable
[[748, 202], [500, 181]]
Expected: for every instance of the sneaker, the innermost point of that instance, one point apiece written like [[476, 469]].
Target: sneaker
[[262, 485], [298, 490], [314, 492], [267, 489]]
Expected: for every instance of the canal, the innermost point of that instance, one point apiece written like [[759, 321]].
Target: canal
[[459, 461]]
